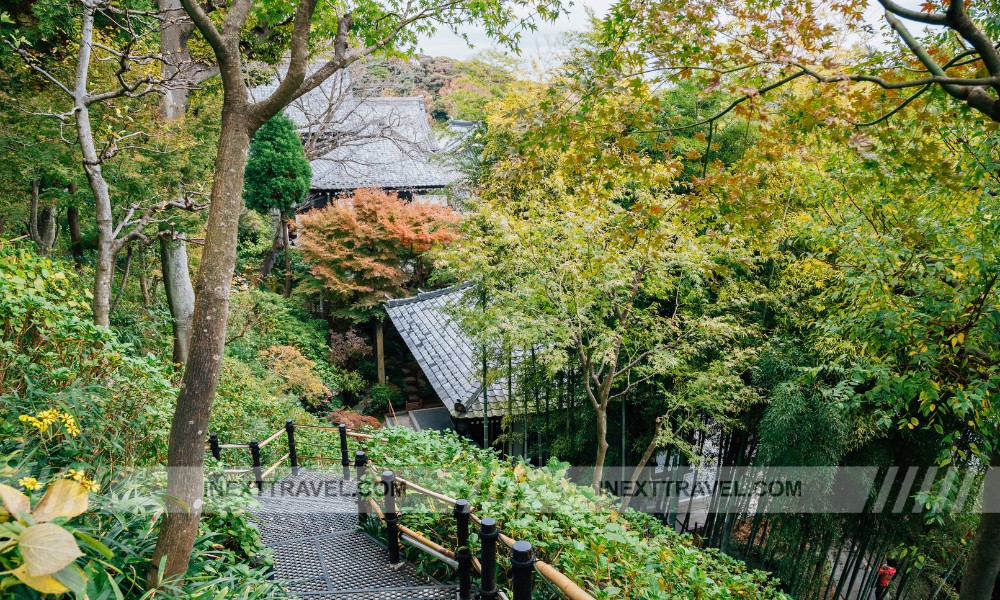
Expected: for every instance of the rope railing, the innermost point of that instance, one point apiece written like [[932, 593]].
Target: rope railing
[[523, 563]]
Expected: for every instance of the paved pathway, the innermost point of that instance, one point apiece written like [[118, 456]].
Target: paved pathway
[[310, 521]]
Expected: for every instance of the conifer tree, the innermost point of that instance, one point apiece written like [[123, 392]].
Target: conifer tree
[[277, 178]]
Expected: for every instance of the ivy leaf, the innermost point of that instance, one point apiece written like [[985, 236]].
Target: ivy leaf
[[64, 498], [47, 548]]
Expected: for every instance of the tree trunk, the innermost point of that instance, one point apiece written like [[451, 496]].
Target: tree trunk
[[186, 450], [602, 445], [144, 288], [177, 66], [288, 256], [380, 350], [107, 247], [129, 254], [626, 500], [984, 556], [180, 293], [75, 238], [42, 221], [276, 244]]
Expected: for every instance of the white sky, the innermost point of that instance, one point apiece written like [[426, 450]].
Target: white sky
[[539, 45], [534, 44]]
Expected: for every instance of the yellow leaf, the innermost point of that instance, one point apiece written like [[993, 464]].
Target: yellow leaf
[[14, 501], [46, 548], [63, 498], [45, 584]]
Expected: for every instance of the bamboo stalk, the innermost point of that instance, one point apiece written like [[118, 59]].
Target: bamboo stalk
[[274, 466], [423, 540], [273, 437], [566, 585], [426, 492]]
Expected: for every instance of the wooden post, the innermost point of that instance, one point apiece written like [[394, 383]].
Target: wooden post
[[360, 462], [292, 457], [380, 350], [522, 565], [391, 516], [345, 461], [255, 455], [463, 554], [213, 442], [488, 559]]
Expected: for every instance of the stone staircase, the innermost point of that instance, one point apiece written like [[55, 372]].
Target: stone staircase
[[310, 521]]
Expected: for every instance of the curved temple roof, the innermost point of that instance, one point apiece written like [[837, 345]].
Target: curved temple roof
[[355, 142], [447, 356]]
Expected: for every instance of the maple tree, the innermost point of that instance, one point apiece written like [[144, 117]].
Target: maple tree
[[749, 49], [373, 244]]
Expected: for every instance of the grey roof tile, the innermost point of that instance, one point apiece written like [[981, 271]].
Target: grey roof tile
[[387, 142], [444, 352]]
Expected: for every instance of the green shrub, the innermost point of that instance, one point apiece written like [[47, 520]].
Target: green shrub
[[380, 397], [581, 533], [53, 356], [260, 320]]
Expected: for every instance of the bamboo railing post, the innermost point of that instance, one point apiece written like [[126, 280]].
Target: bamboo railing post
[[391, 516], [488, 535], [521, 568], [463, 554], [360, 462], [345, 460], [292, 456], [255, 455], [213, 442]]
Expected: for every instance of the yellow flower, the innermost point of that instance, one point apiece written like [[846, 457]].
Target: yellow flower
[[28, 483], [45, 419], [81, 476]]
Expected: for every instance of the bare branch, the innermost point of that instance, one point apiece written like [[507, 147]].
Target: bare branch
[[206, 27], [913, 15], [892, 112], [292, 81], [236, 19], [33, 64]]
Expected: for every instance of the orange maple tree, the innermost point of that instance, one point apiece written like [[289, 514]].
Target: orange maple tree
[[372, 244]]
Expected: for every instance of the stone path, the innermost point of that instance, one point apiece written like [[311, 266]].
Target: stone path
[[310, 521]]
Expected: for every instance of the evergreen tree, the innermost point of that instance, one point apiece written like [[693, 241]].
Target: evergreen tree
[[277, 178]]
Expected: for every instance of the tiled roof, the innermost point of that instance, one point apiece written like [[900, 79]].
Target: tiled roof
[[445, 354], [373, 142]]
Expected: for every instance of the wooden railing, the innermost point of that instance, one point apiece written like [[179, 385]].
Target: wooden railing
[[522, 559]]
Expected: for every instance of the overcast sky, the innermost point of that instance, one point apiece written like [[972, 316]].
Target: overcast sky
[[540, 44], [534, 43]]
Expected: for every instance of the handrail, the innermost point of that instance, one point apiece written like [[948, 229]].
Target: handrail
[[423, 540], [350, 432], [566, 586], [273, 437], [274, 466], [426, 492]]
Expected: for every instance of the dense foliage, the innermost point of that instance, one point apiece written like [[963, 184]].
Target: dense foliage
[[749, 233], [612, 554]]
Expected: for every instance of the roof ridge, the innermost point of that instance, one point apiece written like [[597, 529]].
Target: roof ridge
[[420, 297]]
